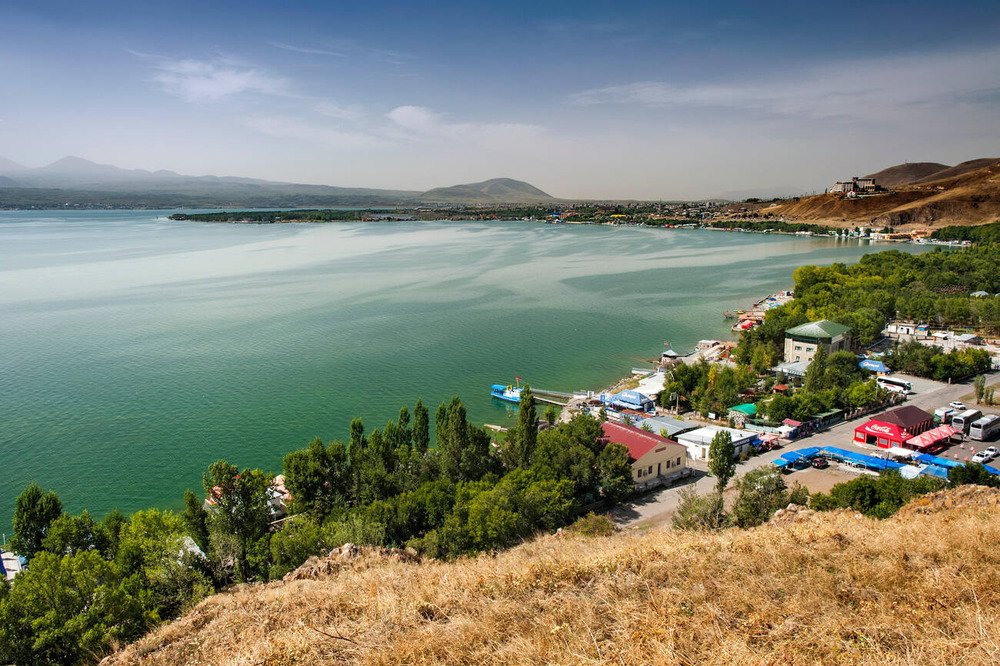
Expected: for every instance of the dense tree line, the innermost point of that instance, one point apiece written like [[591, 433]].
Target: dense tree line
[[934, 287], [984, 233], [92, 584]]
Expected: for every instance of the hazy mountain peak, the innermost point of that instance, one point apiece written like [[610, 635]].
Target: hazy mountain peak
[[492, 190], [8, 166]]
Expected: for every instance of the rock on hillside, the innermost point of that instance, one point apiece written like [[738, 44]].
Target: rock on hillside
[[919, 588]]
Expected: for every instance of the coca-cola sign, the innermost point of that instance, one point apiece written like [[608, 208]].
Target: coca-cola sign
[[879, 429]]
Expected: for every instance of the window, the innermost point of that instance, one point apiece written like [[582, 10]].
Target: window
[[650, 470], [678, 460], [798, 347]]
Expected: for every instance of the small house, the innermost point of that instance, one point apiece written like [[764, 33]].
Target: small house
[[655, 460]]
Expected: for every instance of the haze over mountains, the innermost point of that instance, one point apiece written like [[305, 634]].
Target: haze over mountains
[[76, 181]]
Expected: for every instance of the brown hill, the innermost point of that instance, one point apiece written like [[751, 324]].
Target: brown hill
[[808, 588], [969, 195], [960, 169], [904, 174]]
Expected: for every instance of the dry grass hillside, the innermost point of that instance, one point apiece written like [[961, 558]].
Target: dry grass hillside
[[904, 174], [965, 194], [836, 588]]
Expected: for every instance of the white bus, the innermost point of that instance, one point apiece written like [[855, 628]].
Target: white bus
[[962, 422], [985, 428], [894, 385]]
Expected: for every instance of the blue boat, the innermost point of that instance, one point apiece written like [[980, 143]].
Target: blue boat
[[506, 392]]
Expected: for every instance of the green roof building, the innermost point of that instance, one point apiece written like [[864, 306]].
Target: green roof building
[[802, 342]]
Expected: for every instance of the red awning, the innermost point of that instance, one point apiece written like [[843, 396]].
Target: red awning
[[888, 432], [931, 437]]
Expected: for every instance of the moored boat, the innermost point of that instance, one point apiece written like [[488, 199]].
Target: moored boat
[[506, 392]]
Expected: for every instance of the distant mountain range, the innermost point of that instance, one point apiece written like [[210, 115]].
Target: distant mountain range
[[78, 182], [925, 194]]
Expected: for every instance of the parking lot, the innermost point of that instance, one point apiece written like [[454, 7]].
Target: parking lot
[[657, 506]]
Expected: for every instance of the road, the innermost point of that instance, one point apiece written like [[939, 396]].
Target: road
[[658, 506]]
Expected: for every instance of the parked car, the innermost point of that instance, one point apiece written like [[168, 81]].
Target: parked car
[[982, 457], [958, 405], [801, 463], [819, 462], [992, 452]]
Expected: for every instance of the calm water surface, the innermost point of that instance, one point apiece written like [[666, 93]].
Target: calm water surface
[[134, 351]]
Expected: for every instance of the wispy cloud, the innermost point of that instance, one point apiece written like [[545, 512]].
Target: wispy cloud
[[869, 89], [420, 123], [212, 80], [307, 50]]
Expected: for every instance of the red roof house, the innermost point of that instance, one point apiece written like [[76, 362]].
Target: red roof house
[[655, 460]]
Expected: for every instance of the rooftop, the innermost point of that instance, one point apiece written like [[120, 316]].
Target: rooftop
[[637, 441], [824, 328]]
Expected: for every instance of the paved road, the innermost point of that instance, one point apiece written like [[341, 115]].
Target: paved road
[[658, 506]]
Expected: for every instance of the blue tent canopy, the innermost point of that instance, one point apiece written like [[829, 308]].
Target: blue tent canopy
[[873, 462], [992, 470], [779, 462], [873, 365], [934, 470], [935, 460]]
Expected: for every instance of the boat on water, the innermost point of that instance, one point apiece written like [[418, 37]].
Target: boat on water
[[506, 392]]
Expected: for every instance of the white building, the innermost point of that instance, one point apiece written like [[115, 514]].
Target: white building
[[698, 441], [10, 564]]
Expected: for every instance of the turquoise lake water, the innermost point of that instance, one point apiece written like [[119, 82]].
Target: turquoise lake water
[[134, 351]]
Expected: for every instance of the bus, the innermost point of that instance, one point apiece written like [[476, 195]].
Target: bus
[[894, 385], [985, 428], [962, 422]]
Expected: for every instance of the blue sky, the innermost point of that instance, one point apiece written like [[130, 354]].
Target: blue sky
[[643, 100]]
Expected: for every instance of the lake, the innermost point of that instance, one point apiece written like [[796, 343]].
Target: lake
[[134, 351]]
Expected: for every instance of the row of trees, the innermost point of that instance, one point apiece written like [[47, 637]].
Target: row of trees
[[92, 583], [933, 287]]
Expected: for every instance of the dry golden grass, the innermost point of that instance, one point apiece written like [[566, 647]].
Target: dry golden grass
[[922, 588], [968, 198]]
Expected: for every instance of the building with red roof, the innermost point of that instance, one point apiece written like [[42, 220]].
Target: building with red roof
[[655, 460]]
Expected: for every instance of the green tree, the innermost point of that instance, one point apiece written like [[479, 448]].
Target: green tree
[[196, 519], [722, 459], [699, 512], [69, 609], [815, 379], [761, 492], [241, 509], [421, 431], [972, 473], [614, 472], [72, 534], [519, 447], [34, 511]]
